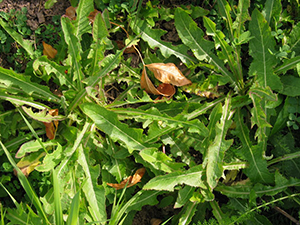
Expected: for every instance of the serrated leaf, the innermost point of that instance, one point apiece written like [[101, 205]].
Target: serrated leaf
[[257, 170], [167, 182], [155, 114], [244, 190], [108, 122], [26, 44], [225, 11], [184, 195], [160, 160], [216, 151], [74, 50], [187, 213], [291, 86], [142, 198], [242, 16], [94, 193], [259, 116], [287, 65], [10, 78], [98, 48], [32, 146], [82, 21], [51, 160], [153, 37], [260, 47], [227, 53], [20, 101], [293, 39], [54, 68], [192, 36], [272, 11]]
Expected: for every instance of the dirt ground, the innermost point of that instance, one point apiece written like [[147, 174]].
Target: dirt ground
[[38, 15]]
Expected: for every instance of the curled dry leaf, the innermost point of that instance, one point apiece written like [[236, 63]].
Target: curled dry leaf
[[71, 13], [131, 180], [49, 51], [52, 126], [168, 73], [163, 89], [93, 15]]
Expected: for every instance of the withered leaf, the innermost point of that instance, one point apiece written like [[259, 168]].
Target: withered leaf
[[163, 89], [130, 181], [93, 15], [49, 51], [52, 126], [71, 12], [168, 73]]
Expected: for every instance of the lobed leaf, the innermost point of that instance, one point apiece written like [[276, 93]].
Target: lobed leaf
[[82, 23], [260, 47], [257, 170], [94, 193], [10, 78], [74, 50], [153, 37], [191, 177], [192, 36], [108, 122], [216, 151]]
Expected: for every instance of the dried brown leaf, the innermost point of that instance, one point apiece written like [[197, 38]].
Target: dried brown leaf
[[155, 221], [71, 12], [93, 15], [49, 51], [147, 84], [131, 180], [168, 73], [52, 126]]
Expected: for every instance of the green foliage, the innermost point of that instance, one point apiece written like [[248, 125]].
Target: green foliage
[[228, 154]]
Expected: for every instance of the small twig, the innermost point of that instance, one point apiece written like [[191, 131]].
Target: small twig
[[286, 214]]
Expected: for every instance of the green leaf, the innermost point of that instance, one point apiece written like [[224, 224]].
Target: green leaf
[[108, 122], [225, 11], [257, 170], [192, 36], [187, 213], [227, 53], [42, 116], [155, 114], [74, 50], [293, 39], [153, 37], [49, 3], [216, 151], [32, 146], [98, 48], [19, 101], [82, 23], [260, 47], [94, 193], [287, 65], [184, 195], [167, 182], [51, 160], [27, 187], [142, 198], [241, 17], [160, 160], [272, 11], [10, 78], [26, 44], [290, 86], [57, 200], [54, 68], [74, 210]]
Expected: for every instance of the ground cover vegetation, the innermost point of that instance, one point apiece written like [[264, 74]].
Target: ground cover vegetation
[[128, 104]]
